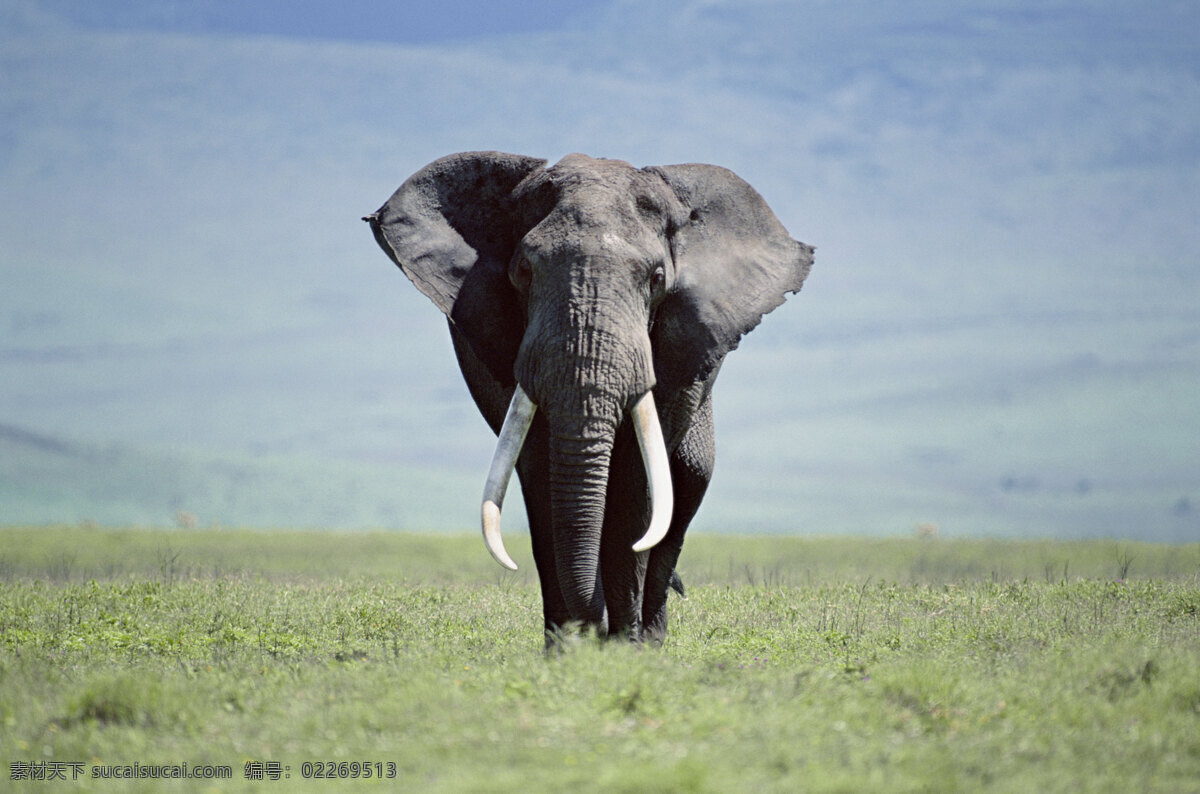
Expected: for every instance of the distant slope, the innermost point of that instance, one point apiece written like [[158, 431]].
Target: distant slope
[[45, 479], [999, 335], [880, 486]]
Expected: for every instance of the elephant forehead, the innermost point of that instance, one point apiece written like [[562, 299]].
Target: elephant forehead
[[578, 176], [617, 245], [582, 163], [602, 208], [583, 233], [597, 191]]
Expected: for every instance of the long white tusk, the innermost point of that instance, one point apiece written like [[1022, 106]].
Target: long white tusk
[[508, 449], [658, 471]]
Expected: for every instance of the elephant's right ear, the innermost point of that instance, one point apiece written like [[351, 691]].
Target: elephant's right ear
[[452, 228], [735, 263]]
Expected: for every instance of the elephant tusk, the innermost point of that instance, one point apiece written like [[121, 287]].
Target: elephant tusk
[[658, 471], [508, 449]]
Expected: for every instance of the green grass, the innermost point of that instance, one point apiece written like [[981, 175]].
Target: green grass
[[794, 664]]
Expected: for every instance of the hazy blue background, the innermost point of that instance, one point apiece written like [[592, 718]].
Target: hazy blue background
[[1000, 336]]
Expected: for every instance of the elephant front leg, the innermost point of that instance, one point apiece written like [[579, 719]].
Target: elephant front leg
[[691, 471], [533, 470], [533, 473]]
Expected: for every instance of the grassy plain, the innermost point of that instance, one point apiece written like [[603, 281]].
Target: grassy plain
[[793, 665]]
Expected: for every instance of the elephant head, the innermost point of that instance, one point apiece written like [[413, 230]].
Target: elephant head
[[594, 297]]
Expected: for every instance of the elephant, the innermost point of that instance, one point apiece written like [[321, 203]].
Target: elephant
[[591, 305]]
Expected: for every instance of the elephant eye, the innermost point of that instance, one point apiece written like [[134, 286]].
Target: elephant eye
[[658, 282], [646, 206], [519, 273]]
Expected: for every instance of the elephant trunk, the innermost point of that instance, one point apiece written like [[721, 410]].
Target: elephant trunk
[[579, 462]]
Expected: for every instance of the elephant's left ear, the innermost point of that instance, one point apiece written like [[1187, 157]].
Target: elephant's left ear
[[452, 228], [735, 262]]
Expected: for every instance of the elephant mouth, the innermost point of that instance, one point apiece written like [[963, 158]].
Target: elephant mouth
[[646, 426]]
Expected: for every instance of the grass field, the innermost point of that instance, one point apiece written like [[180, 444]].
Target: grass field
[[794, 664]]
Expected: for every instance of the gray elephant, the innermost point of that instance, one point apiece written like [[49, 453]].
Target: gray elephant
[[590, 306]]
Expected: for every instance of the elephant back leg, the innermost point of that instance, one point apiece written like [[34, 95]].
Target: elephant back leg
[[691, 470], [626, 511]]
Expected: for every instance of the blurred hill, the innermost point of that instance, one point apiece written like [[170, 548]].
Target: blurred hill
[[999, 337]]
